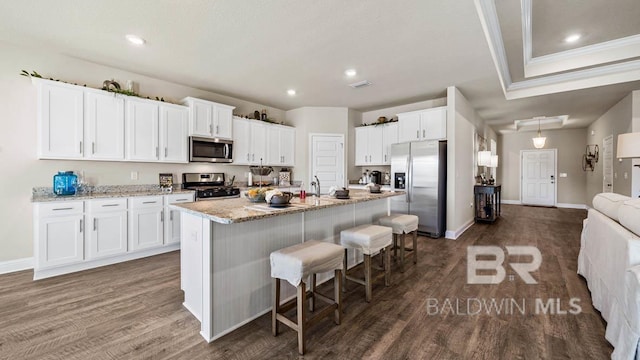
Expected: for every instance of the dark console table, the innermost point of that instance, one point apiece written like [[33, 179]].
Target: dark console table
[[487, 202]]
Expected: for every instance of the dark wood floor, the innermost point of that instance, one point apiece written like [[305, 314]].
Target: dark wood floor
[[133, 310]]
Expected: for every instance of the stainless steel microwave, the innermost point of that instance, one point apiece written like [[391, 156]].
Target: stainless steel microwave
[[210, 150]]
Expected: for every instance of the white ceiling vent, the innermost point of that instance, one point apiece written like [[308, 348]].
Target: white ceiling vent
[[360, 84]]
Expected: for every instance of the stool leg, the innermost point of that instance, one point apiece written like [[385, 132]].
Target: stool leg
[[367, 277], [402, 253], [395, 246], [387, 265], [415, 246], [337, 285], [312, 299], [344, 272], [302, 292], [276, 306]]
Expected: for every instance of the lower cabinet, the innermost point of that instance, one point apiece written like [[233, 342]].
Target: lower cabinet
[[71, 236], [146, 226], [107, 228]]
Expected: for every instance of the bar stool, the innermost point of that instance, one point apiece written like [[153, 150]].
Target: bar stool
[[402, 224], [370, 239], [295, 263]]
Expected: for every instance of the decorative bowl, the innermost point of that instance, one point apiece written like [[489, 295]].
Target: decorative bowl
[[342, 193], [255, 195], [281, 199]]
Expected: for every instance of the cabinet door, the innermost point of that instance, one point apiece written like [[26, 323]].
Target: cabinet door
[[389, 137], [241, 141], [146, 228], [174, 134], [60, 240], [362, 146], [108, 234], [201, 119], [375, 145], [104, 121], [172, 217], [409, 127], [61, 121], [223, 121], [274, 156], [258, 143], [142, 130], [287, 146], [434, 124]]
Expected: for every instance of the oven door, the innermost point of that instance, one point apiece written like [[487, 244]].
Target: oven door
[[210, 150]]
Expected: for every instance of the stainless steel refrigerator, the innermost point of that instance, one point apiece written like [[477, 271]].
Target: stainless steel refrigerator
[[420, 169]]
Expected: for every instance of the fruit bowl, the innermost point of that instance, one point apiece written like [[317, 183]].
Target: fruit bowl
[[256, 195]]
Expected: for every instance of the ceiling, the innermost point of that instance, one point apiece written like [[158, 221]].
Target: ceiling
[[410, 50]]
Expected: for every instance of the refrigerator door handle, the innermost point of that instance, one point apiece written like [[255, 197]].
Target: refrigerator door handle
[[407, 181]]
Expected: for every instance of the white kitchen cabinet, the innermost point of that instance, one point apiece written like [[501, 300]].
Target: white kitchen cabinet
[[429, 124], [104, 126], [389, 137], [280, 147], [174, 133], [369, 145], [107, 228], [249, 142], [209, 119], [60, 120], [142, 130], [146, 222], [59, 235], [172, 217]]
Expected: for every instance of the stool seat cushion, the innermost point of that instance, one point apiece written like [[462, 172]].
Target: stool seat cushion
[[368, 238], [296, 262], [400, 223]]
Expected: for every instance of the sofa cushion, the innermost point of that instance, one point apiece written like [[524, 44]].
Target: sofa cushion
[[629, 215], [609, 203]]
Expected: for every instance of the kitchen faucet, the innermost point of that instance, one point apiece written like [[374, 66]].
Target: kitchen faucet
[[314, 184]]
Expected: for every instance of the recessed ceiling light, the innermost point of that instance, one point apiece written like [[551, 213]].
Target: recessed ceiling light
[[135, 39], [291, 92], [572, 38], [350, 72]]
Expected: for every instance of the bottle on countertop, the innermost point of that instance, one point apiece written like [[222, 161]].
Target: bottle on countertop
[[263, 116], [250, 179]]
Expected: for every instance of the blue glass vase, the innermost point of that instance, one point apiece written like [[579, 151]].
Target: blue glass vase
[[65, 183]]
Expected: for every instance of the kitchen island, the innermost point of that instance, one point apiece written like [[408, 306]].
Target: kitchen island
[[225, 269]]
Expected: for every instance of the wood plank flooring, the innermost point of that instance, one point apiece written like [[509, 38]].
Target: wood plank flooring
[[133, 310]]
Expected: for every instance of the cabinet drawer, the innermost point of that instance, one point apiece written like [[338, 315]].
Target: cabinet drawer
[[60, 208], [178, 198], [145, 202], [103, 205]]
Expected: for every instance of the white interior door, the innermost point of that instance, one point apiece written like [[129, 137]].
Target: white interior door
[[538, 177], [607, 164], [327, 160]]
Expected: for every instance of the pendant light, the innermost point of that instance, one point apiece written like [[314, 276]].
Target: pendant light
[[538, 142]]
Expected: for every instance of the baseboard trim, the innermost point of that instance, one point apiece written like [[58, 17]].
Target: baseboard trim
[[16, 265], [454, 234], [572, 206], [511, 202]]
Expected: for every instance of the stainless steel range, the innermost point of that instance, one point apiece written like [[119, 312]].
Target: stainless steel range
[[209, 186]]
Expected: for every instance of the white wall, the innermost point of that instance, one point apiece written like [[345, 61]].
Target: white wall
[[22, 171]]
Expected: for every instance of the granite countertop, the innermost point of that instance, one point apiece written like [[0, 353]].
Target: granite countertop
[[237, 210], [114, 191]]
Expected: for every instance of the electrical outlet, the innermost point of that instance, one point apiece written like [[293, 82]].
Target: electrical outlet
[[471, 205], [563, 174], [134, 175]]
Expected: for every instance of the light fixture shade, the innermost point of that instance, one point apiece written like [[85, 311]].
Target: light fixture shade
[[538, 142], [628, 145], [493, 163], [484, 158]]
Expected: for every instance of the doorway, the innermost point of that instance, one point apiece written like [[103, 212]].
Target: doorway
[[538, 185], [327, 160], [607, 164]]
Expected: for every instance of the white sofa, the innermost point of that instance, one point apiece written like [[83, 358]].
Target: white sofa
[[609, 260]]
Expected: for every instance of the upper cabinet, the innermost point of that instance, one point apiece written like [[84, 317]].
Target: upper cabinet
[[280, 145], [209, 119], [389, 137], [429, 124], [76, 122], [369, 145]]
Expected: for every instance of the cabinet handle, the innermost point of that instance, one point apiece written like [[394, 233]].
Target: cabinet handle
[[247, 156], [95, 226], [93, 147], [166, 152], [170, 215], [211, 128], [63, 209], [424, 133], [217, 129], [81, 225], [157, 152], [417, 134], [182, 200], [385, 157], [253, 157], [80, 147], [149, 202], [109, 205], [162, 216]]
